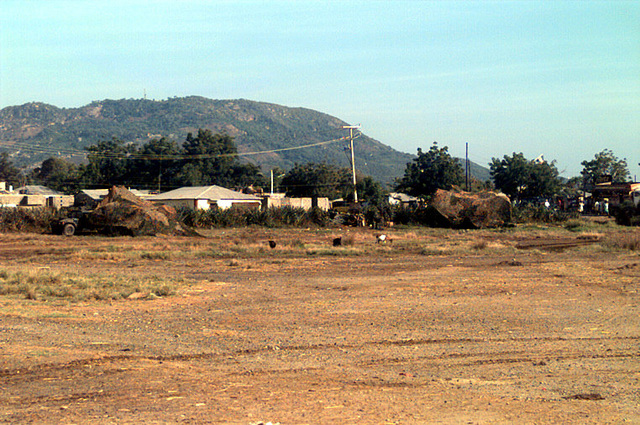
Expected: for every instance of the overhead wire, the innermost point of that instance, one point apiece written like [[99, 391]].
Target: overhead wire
[[159, 157]]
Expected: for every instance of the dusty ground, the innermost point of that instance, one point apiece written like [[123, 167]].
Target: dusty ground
[[438, 326]]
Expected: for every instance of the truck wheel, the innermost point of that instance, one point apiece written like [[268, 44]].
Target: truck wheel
[[68, 229]]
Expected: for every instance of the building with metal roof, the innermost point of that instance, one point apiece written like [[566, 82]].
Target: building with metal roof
[[204, 197]]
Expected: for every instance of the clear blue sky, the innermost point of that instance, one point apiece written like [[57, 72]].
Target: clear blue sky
[[559, 78]]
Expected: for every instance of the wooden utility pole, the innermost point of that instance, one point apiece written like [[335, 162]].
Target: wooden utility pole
[[466, 166], [353, 160], [272, 182]]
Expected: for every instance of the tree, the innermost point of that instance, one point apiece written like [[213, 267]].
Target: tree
[[317, 180], [521, 179], [110, 164], [208, 159], [604, 167], [430, 171], [376, 201], [57, 174], [212, 159], [9, 173], [202, 160], [371, 191], [158, 164]]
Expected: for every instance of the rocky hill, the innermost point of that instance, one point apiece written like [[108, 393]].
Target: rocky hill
[[36, 131]]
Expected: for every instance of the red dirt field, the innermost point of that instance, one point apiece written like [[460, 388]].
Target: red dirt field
[[436, 326]]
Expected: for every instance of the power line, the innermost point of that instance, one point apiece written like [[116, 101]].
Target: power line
[[156, 157]]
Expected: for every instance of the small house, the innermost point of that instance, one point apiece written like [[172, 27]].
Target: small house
[[205, 197], [615, 193], [279, 200], [396, 198], [40, 196]]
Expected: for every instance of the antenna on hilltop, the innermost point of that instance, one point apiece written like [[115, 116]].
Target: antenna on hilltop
[[145, 94]]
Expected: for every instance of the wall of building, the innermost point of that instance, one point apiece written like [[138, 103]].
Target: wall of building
[[236, 203], [57, 201], [202, 204], [304, 203], [10, 200], [176, 203]]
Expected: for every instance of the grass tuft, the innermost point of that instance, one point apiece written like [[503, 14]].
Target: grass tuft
[[155, 255], [429, 251], [479, 245]]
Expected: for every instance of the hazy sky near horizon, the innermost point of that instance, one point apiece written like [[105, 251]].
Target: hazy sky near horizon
[[558, 78]]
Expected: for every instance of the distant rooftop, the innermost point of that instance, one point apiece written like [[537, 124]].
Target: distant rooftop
[[36, 190], [213, 193]]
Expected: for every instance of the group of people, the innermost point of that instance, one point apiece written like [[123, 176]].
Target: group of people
[[582, 205]]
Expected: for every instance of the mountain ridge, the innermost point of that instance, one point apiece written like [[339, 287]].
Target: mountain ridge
[[35, 131]]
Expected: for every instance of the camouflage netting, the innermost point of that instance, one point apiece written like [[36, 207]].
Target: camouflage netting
[[473, 210], [122, 212]]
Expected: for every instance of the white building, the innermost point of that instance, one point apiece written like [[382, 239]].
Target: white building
[[204, 197]]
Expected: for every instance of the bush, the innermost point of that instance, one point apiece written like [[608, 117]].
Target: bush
[[418, 215], [628, 241], [36, 220], [237, 217], [573, 225], [527, 213], [627, 214]]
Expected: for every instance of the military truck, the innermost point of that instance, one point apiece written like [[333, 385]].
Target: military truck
[[74, 223]]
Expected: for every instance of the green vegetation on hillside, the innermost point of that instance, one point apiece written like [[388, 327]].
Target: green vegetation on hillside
[[36, 131]]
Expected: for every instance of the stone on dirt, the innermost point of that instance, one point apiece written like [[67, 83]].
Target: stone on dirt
[[586, 396]]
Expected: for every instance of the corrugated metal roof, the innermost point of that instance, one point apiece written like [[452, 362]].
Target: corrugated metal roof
[[212, 193]]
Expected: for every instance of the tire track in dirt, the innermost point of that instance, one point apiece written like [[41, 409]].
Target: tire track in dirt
[[49, 367], [555, 355], [83, 396]]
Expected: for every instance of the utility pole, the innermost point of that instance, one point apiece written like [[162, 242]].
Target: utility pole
[[353, 160], [160, 176], [466, 166]]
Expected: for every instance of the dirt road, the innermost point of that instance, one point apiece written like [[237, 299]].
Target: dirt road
[[434, 327]]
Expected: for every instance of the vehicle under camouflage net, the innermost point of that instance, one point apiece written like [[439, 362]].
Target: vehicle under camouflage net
[[473, 210], [123, 213]]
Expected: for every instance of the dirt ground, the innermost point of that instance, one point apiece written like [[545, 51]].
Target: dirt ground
[[435, 326]]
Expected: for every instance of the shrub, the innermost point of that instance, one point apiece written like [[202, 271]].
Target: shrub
[[37, 220], [318, 216], [573, 225], [627, 241], [238, 217], [527, 213], [418, 215], [627, 214]]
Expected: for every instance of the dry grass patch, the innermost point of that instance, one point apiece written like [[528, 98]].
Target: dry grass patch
[[623, 241], [335, 252], [434, 251], [156, 255], [44, 284], [479, 245]]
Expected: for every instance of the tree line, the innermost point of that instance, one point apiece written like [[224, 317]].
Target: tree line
[[207, 158]]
